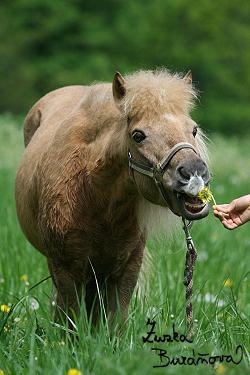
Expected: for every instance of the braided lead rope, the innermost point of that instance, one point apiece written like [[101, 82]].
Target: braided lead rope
[[191, 256]]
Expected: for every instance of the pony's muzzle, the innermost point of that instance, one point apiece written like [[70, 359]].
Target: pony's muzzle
[[190, 179]]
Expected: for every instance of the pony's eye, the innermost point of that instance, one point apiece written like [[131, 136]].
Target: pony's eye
[[195, 129], [138, 136]]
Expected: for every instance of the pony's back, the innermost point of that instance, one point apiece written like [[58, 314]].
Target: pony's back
[[51, 109]]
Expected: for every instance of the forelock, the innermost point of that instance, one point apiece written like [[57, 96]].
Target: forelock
[[151, 92]]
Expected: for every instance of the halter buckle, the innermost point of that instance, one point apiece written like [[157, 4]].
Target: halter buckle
[[157, 174]]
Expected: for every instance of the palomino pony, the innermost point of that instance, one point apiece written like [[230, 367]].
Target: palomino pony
[[98, 160]]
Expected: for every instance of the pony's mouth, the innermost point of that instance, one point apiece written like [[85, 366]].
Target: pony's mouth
[[191, 208]]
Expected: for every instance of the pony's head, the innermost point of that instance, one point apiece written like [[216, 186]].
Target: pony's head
[[164, 144]]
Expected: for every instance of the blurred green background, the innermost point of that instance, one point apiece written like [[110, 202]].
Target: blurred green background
[[48, 44]]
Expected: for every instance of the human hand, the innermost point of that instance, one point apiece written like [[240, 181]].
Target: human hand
[[234, 214]]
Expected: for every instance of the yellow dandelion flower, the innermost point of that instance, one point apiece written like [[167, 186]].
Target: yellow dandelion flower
[[24, 278], [1, 372], [5, 308], [221, 369], [74, 371], [228, 282], [5, 329], [205, 195]]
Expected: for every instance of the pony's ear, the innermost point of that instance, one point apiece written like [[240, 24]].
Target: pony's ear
[[188, 78], [118, 87]]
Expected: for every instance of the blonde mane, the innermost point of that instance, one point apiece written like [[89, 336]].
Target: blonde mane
[[157, 92], [147, 92]]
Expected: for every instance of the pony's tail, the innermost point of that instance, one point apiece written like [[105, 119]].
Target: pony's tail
[[31, 124]]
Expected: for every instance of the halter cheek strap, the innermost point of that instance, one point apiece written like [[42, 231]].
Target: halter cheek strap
[[156, 172]]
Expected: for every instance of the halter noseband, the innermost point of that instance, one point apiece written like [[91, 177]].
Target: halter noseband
[[156, 172]]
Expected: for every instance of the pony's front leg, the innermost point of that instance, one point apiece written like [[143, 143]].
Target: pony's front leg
[[120, 291], [68, 289]]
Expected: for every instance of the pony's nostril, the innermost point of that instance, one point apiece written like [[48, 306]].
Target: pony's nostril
[[205, 173], [206, 176], [183, 173]]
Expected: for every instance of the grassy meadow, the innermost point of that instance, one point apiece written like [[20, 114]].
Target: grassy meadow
[[30, 343]]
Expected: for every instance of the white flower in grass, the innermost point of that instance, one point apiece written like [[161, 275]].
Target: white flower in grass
[[153, 311], [34, 305], [210, 298]]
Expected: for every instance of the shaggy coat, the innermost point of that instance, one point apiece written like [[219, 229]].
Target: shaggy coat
[[76, 200]]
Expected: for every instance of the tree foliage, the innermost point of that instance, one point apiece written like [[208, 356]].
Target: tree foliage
[[48, 44]]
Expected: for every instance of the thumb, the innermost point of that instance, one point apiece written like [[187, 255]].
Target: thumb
[[222, 208]]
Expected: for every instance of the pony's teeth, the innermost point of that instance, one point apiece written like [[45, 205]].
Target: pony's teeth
[[194, 205]]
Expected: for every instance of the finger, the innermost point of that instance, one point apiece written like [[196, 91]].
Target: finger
[[220, 217], [229, 226], [229, 223], [221, 207], [223, 216]]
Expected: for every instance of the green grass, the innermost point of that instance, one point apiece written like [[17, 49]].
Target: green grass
[[30, 343]]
